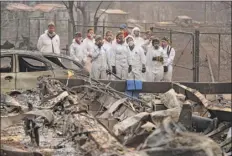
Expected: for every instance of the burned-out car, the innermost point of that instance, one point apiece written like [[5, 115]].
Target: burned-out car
[[66, 62], [20, 70]]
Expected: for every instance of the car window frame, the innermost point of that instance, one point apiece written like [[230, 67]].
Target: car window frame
[[75, 62], [48, 65], [13, 62]]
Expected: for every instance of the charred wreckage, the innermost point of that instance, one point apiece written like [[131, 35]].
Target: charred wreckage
[[96, 118]]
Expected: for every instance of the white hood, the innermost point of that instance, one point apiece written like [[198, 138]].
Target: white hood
[[135, 29], [129, 36]]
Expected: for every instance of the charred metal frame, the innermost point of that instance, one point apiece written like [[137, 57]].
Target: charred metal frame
[[195, 48], [219, 50], [162, 87]]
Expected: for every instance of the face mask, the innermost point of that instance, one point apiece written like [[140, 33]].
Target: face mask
[[99, 44], [120, 40], [78, 41], [136, 33], [90, 36], [131, 43], [109, 39], [164, 45], [156, 46]]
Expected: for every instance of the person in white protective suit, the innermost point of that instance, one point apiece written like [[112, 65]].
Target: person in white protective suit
[[136, 34], [88, 44], [49, 42], [155, 62], [76, 48], [147, 41], [99, 64], [121, 58], [169, 56], [138, 59], [107, 47]]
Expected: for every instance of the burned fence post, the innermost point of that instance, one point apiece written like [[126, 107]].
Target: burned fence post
[[196, 55], [193, 56], [29, 33], [170, 36], [70, 34], [219, 56], [38, 28], [67, 50], [17, 31], [104, 22]]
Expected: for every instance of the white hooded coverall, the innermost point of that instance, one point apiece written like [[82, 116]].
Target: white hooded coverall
[[138, 40], [155, 69], [146, 45], [99, 64], [76, 51], [88, 47], [169, 63], [107, 47], [47, 45], [138, 59], [121, 59]]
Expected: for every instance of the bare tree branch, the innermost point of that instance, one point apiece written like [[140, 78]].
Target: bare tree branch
[[84, 4], [105, 10], [227, 4], [66, 5], [222, 48], [97, 9]]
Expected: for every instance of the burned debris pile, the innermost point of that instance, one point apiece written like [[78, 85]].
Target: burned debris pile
[[95, 119]]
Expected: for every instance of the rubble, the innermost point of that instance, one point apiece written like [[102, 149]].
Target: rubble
[[95, 119], [171, 139]]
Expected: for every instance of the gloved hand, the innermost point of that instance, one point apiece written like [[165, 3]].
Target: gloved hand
[[161, 59], [143, 68], [154, 59], [114, 69], [165, 69], [129, 69], [158, 58], [108, 72]]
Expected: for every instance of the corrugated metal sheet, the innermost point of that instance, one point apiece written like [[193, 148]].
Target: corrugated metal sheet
[[184, 17], [114, 11], [19, 7], [38, 7], [49, 7]]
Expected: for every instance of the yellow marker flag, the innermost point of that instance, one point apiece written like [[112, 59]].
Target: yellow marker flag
[[70, 73]]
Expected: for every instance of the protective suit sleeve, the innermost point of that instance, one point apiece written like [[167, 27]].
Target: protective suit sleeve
[[72, 52], [165, 57], [58, 42], [39, 44], [84, 44], [145, 45], [129, 57], [95, 53], [171, 57], [108, 57], [113, 57], [142, 56]]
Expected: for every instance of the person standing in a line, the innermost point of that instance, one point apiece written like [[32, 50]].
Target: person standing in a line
[[99, 64], [76, 48], [155, 62], [107, 47], [49, 42], [169, 53], [121, 60]]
